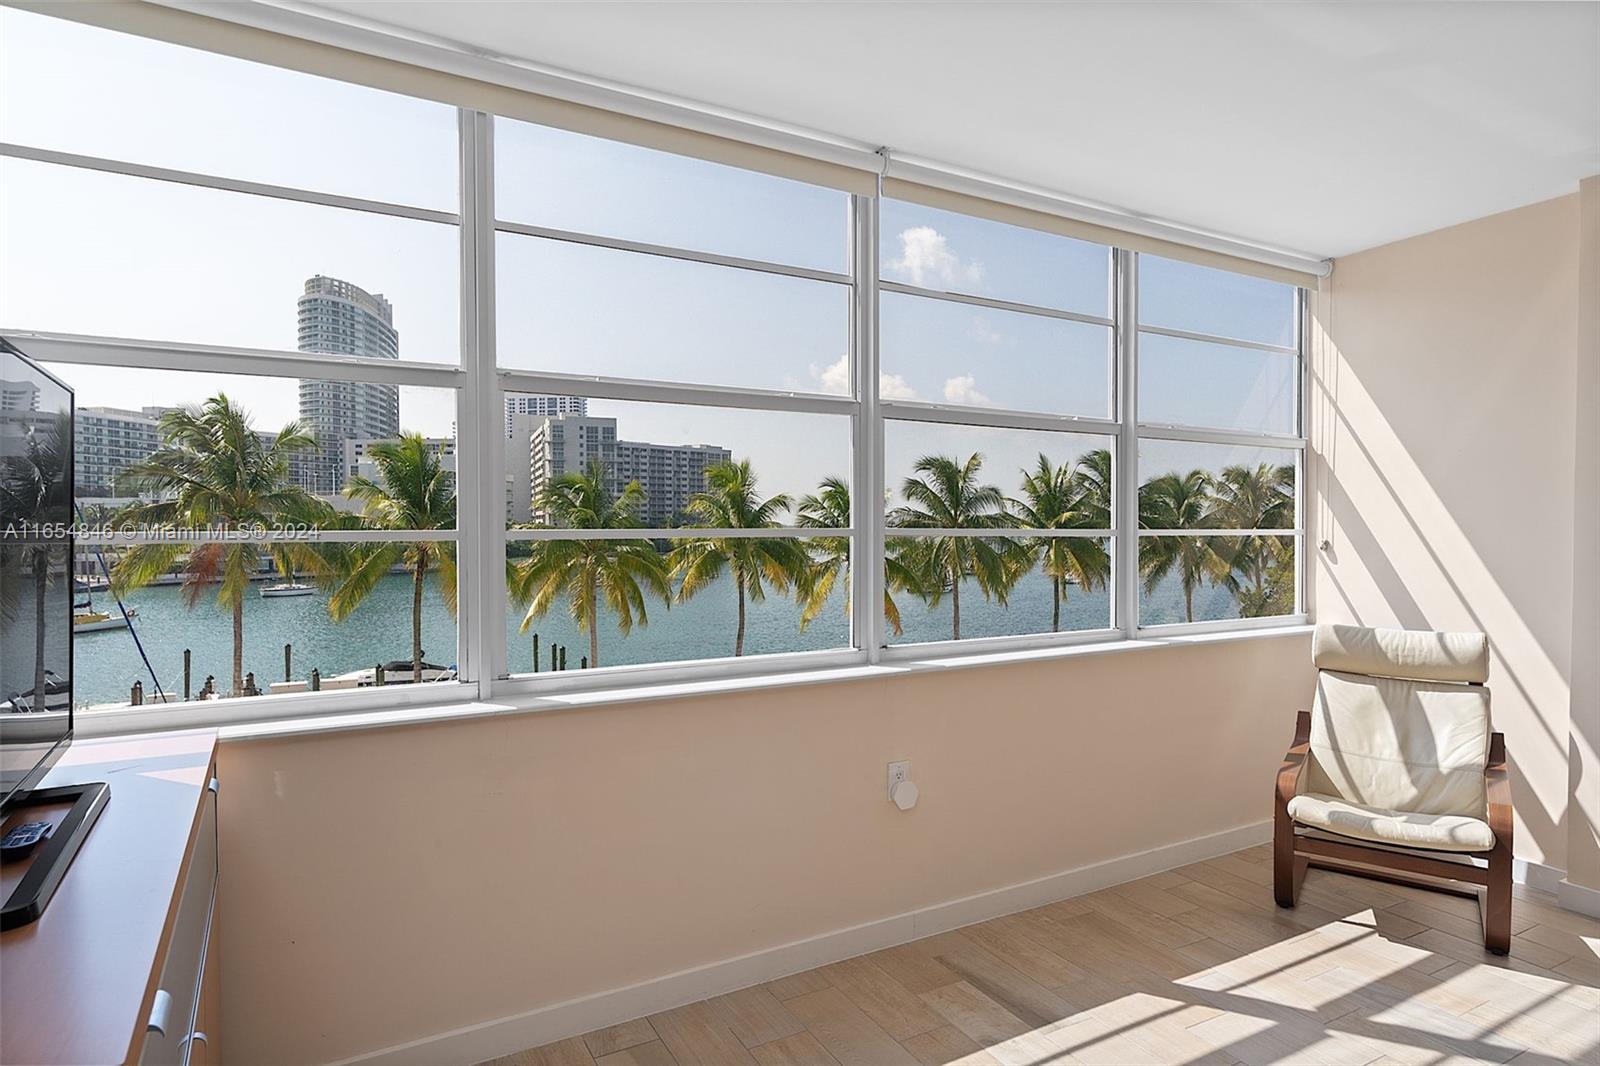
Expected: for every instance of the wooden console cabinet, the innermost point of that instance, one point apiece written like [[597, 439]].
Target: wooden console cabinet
[[123, 965]]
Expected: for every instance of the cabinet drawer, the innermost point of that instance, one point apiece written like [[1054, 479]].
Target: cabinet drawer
[[172, 1018]]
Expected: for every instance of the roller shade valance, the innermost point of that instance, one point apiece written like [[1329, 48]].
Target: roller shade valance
[[1014, 213], [348, 53], [259, 45]]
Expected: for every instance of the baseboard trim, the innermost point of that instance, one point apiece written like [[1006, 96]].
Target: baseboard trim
[[1579, 898], [502, 1036], [1537, 875]]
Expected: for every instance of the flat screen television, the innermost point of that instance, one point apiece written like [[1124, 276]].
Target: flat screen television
[[36, 571]]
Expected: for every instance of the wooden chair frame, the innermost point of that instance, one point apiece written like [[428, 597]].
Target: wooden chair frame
[[1293, 853]]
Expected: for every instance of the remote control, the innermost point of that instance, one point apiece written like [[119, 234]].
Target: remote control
[[20, 840]]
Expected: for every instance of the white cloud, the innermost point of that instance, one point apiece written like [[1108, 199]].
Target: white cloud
[[835, 379], [926, 260], [964, 390], [895, 387]]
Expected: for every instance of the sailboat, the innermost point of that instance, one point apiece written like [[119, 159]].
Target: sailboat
[[292, 587], [85, 619]]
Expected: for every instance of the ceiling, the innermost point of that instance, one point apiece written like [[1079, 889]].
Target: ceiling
[[1319, 127]]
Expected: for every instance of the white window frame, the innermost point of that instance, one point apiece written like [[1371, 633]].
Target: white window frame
[[1000, 418], [150, 354], [604, 387], [1134, 431], [480, 385]]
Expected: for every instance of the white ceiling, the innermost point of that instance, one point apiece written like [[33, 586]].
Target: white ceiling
[[1320, 127]]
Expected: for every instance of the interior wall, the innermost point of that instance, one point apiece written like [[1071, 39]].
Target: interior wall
[[392, 884], [1443, 442], [1583, 829]]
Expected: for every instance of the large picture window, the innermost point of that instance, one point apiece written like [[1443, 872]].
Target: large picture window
[[381, 400], [665, 505], [1219, 415], [262, 329]]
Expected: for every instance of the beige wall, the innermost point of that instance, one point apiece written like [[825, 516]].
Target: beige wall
[[1583, 828], [1442, 423], [392, 884]]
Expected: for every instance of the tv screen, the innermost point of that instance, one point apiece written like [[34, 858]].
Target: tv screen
[[36, 571]]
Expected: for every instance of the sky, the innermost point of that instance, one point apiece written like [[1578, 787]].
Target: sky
[[105, 254]]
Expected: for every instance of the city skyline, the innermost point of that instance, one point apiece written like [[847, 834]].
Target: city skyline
[[337, 316]]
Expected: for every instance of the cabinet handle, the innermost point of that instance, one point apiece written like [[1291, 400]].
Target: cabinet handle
[[212, 786], [159, 1011]]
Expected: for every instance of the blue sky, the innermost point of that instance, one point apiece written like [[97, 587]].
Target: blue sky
[[105, 254]]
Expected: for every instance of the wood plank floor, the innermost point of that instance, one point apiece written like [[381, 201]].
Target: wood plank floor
[[1195, 965]]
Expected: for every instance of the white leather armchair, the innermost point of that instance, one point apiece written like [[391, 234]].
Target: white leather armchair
[[1395, 774]]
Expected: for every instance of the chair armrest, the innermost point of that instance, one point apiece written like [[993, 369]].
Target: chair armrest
[[1497, 783], [1294, 760]]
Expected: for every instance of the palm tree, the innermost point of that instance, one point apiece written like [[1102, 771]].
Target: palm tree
[[730, 501], [1055, 498], [947, 495], [1178, 501], [1092, 488], [617, 573], [829, 508], [1259, 497], [213, 469], [413, 490], [1276, 594], [33, 490]]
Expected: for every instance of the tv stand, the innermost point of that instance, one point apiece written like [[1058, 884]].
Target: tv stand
[[52, 857], [122, 966]]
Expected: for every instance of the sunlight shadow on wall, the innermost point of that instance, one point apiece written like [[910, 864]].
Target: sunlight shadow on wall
[[1398, 556]]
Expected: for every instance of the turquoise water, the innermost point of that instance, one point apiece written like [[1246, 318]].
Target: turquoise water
[[107, 663]]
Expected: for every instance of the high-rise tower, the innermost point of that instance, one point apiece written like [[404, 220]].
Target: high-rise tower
[[521, 403], [337, 317]]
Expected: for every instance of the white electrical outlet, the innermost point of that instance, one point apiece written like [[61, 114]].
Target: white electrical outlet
[[898, 772]]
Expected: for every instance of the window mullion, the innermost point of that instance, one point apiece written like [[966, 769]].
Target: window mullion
[[867, 573], [481, 503], [1127, 458], [1304, 459]]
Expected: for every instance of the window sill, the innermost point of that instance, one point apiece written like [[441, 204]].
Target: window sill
[[351, 721]]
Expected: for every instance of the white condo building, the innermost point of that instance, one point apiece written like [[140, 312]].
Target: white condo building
[[108, 440], [337, 317], [358, 461], [524, 413], [668, 473], [535, 407]]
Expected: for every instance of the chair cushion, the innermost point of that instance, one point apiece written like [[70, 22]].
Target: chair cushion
[[1418, 655], [1397, 745], [1436, 832]]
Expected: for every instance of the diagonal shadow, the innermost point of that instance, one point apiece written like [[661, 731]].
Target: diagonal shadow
[[1354, 1014]]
